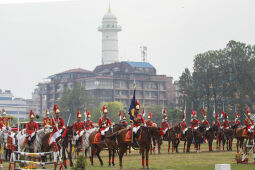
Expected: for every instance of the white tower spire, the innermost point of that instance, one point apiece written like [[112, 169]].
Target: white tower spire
[[109, 29]]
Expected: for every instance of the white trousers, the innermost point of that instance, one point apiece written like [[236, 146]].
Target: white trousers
[[135, 129], [105, 130], [54, 137], [183, 132], [165, 130]]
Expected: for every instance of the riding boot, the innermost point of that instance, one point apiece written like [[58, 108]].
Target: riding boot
[[102, 139]]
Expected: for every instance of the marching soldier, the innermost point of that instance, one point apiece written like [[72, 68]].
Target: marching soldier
[[124, 120], [204, 122], [249, 122], [4, 121], [194, 122], [88, 123], [79, 126], [237, 121], [164, 126], [104, 123], [31, 127], [149, 123], [47, 121], [226, 123], [138, 119]]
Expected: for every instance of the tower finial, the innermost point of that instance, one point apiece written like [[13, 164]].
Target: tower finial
[[109, 9]]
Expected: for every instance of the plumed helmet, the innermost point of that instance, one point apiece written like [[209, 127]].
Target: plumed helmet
[[31, 114], [124, 116], [217, 116], [149, 116], [3, 112], [248, 111], [236, 115], [105, 109], [78, 114], [204, 113], [137, 104], [88, 114], [47, 112], [56, 109], [165, 116], [226, 115]]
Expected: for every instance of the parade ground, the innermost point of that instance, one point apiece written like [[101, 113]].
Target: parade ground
[[182, 161]]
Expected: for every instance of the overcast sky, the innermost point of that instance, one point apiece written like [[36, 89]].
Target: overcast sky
[[44, 38]]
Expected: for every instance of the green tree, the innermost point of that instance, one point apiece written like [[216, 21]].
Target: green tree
[[73, 100]]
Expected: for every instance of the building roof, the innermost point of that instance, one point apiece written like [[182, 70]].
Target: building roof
[[139, 64], [76, 70]]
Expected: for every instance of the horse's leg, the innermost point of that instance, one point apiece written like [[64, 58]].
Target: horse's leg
[[210, 145], [184, 145], [230, 144], [70, 154], [169, 145], [173, 143], [142, 152], [237, 145], [188, 146], [110, 155], [122, 150], [91, 155], [113, 156], [98, 156], [158, 147], [147, 158]]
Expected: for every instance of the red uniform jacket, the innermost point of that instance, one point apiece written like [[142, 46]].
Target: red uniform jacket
[[47, 121], [124, 123], [104, 123], [237, 122], [60, 122], [164, 125], [149, 123], [194, 123], [248, 123], [216, 123], [226, 124], [138, 120], [205, 123], [183, 125], [89, 124], [4, 122], [31, 127], [78, 127]]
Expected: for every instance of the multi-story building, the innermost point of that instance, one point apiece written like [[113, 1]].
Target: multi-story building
[[37, 103], [13, 106], [114, 82]]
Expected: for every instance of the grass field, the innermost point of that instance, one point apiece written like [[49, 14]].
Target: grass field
[[181, 161]]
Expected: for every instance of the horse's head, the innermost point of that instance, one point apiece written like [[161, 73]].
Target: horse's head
[[202, 128], [215, 128], [118, 127], [177, 128]]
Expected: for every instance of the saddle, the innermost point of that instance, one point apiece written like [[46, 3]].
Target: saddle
[[97, 138], [245, 133]]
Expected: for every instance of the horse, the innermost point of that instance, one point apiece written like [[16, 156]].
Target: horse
[[229, 135], [172, 136], [3, 141], [198, 136], [144, 142], [110, 143], [209, 135], [238, 134], [85, 143]]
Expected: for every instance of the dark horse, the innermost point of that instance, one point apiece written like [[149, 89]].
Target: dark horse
[[110, 144], [144, 142], [210, 135], [62, 145], [195, 134], [172, 136]]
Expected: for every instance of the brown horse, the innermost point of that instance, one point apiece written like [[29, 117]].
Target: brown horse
[[172, 136], [198, 136], [238, 134], [144, 142], [209, 135], [110, 144], [229, 135], [62, 145]]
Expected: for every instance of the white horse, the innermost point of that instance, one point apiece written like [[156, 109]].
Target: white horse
[[3, 140], [86, 145], [37, 144]]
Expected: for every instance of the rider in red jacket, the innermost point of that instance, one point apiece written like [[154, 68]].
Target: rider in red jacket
[[149, 122], [88, 123], [79, 126], [194, 122], [31, 127], [204, 122], [237, 121], [226, 123], [164, 126], [124, 120], [104, 123]]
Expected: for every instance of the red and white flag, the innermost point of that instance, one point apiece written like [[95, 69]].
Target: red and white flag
[[144, 112], [120, 114]]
